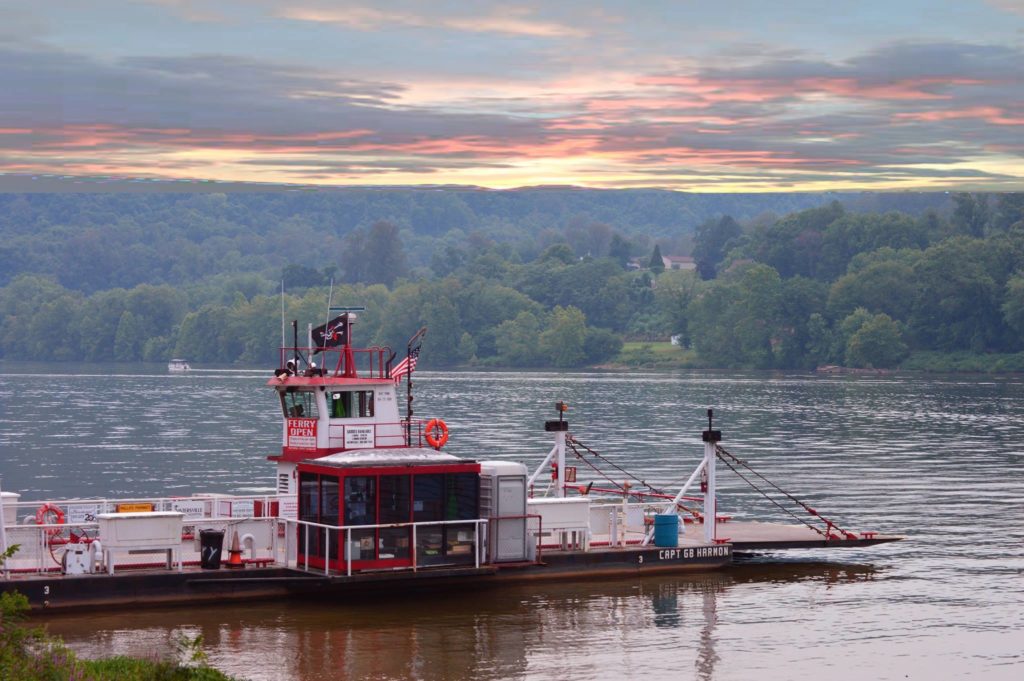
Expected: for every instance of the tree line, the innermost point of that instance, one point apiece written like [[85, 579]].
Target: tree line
[[817, 286], [864, 290], [92, 242]]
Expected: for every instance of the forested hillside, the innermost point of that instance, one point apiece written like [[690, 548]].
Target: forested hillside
[[820, 285], [92, 241]]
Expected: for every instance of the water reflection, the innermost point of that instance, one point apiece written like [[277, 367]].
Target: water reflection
[[573, 629]]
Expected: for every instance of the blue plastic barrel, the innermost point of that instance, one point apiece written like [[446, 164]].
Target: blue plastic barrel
[[666, 530]]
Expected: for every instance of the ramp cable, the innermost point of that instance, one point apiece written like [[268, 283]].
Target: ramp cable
[[728, 459]]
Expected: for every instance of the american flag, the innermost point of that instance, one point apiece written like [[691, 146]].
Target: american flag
[[407, 365]]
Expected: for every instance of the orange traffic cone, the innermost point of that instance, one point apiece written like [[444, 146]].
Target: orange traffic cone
[[235, 561]]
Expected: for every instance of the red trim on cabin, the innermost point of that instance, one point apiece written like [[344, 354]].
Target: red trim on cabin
[[405, 469], [340, 473], [303, 381], [291, 455]]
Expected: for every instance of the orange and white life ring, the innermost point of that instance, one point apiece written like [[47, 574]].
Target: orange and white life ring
[[436, 433], [50, 514]]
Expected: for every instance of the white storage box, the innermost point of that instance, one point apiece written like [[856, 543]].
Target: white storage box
[[140, 531], [153, 531], [570, 513]]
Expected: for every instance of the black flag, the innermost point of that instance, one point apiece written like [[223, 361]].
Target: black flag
[[332, 334]]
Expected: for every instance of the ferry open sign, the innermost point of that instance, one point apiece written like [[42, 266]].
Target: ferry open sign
[[302, 433]]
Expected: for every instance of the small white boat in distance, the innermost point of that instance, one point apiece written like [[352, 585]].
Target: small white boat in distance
[[177, 365]]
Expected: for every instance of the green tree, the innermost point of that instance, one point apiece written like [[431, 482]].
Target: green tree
[[793, 339], [712, 241], [712, 317], [972, 213], [675, 291], [563, 341], [383, 255], [101, 315], [54, 329], [600, 345], [518, 341], [19, 302], [878, 343], [957, 301], [819, 340], [793, 245], [1013, 304], [297, 276], [442, 318], [201, 332], [656, 264], [844, 331], [887, 284], [852, 234], [129, 338], [620, 250], [759, 315], [1009, 212], [562, 253], [467, 348]]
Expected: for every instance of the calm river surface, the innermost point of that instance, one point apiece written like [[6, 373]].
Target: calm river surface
[[939, 459]]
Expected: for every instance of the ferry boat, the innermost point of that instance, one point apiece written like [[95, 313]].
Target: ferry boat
[[367, 498], [178, 365]]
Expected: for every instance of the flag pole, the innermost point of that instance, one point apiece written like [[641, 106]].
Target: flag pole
[[418, 336], [327, 320]]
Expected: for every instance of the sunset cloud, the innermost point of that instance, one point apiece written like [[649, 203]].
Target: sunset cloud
[[510, 20], [504, 96]]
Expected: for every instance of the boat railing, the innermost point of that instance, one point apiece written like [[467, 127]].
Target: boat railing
[[617, 523], [322, 532], [43, 531], [371, 362], [390, 434]]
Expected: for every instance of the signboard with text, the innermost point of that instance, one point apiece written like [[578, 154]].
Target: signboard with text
[[190, 508], [358, 437], [302, 433], [289, 506], [82, 513]]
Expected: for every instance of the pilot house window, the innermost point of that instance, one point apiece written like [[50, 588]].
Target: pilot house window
[[347, 404], [299, 404]]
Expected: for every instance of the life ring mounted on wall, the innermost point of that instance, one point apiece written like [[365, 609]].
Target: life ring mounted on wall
[[436, 433], [50, 514]]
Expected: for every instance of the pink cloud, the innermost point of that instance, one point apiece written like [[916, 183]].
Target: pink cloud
[[989, 114], [509, 21]]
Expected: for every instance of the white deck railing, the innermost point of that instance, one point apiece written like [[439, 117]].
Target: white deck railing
[[479, 540]]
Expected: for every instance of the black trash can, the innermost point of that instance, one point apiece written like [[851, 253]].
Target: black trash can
[[211, 543]]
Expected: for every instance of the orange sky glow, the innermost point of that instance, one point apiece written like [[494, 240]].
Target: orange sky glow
[[593, 94]]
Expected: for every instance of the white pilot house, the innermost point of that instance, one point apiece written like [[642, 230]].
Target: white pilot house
[[353, 462]]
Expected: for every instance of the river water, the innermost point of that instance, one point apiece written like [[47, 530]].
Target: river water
[[939, 459]]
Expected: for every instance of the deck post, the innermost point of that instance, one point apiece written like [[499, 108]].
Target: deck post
[[559, 428], [711, 439], [560, 446]]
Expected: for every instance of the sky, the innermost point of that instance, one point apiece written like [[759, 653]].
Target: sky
[[691, 95]]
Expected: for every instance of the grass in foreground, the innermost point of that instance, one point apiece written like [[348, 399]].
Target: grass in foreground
[[30, 654], [661, 355]]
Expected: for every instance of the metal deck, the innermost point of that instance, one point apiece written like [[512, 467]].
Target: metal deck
[[753, 535]]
